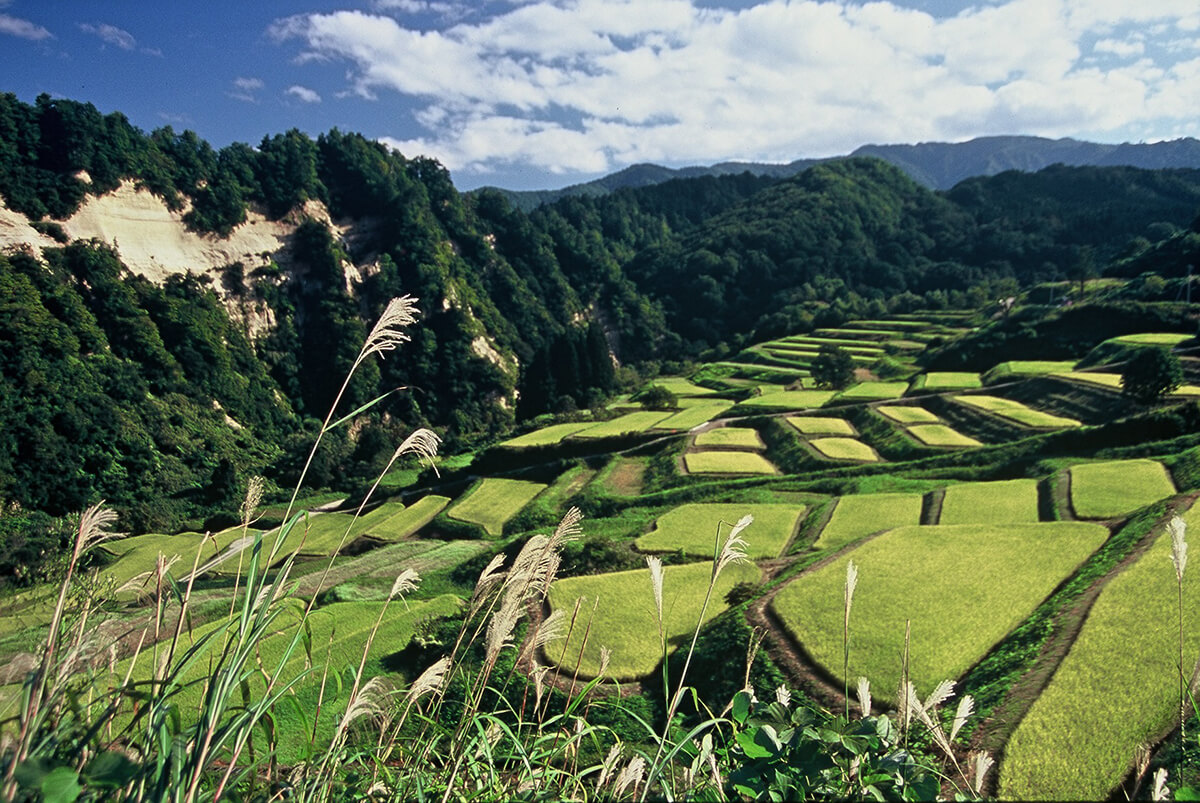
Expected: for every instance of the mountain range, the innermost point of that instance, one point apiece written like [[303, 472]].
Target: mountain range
[[937, 165]]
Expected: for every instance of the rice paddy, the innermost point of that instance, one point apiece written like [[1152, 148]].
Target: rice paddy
[[819, 425], [937, 381], [845, 449], [727, 462], [546, 436], [941, 435], [1017, 413], [408, 521], [873, 391], [943, 580], [903, 414], [681, 387], [694, 529], [1013, 369], [1116, 689], [1003, 502], [621, 611], [790, 399], [1118, 487], [1168, 339], [693, 416], [494, 501], [730, 437], [860, 515], [628, 424]]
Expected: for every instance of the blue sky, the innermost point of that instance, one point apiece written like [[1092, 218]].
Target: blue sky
[[544, 93]]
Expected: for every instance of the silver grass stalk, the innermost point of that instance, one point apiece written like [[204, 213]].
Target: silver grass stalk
[[981, 762], [254, 492], [966, 707], [1177, 527], [940, 694], [909, 704], [631, 774], [851, 584], [569, 529], [501, 625], [783, 695], [421, 442], [489, 578], [405, 582], [429, 681], [387, 333], [864, 696], [93, 528], [605, 659], [654, 563], [1160, 791], [552, 628], [607, 766], [371, 700], [734, 549]]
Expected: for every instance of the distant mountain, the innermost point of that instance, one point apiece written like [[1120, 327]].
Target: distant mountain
[[937, 165]]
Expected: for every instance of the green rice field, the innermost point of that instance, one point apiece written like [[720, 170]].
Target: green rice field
[[546, 436], [908, 415], [941, 435], [408, 521], [946, 380], [494, 501], [681, 387], [1016, 412], [862, 514], [1118, 487], [821, 425], [693, 528], [726, 462], [790, 399], [1099, 379], [627, 424], [1116, 689], [1167, 339], [730, 437], [625, 619], [1018, 368], [845, 449], [873, 391], [693, 416], [1003, 502], [943, 580]]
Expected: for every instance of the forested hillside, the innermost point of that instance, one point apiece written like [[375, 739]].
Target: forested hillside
[[121, 388]]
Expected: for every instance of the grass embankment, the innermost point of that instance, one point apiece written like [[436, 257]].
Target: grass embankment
[[1116, 689], [862, 514], [625, 620], [731, 437], [1002, 502], [820, 425], [1117, 487], [696, 529], [943, 580], [494, 501], [1017, 412]]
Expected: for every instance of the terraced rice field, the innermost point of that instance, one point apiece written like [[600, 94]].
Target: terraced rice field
[[860, 515], [902, 414], [408, 521], [730, 437], [494, 501], [1116, 689], [682, 387], [1167, 339], [873, 391], [942, 579], [941, 435], [820, 425], [1118, 487], [845, 449], [1003, 502], [693, 416], [700, 530], [628, 424], [726, 462], [1017, 413], [790, 399], [1019, 368], [625, 620], [546, 436], [946, 380], [1099, 379]]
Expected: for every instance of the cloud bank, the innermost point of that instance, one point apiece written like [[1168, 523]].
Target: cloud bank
[[588, 85]]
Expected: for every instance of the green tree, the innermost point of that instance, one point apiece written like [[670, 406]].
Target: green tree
[[1150, 374], [832, 367], [657, 397]]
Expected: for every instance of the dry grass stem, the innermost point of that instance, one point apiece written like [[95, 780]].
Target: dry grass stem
[[864, 696], [387, 334]]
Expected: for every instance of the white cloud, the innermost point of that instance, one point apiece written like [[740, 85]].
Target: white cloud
[[110, 34], [588, 85], [245, 89], [14, 26], [303, 93]]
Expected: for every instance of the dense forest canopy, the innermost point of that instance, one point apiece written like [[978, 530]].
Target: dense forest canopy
[[111, 381]]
